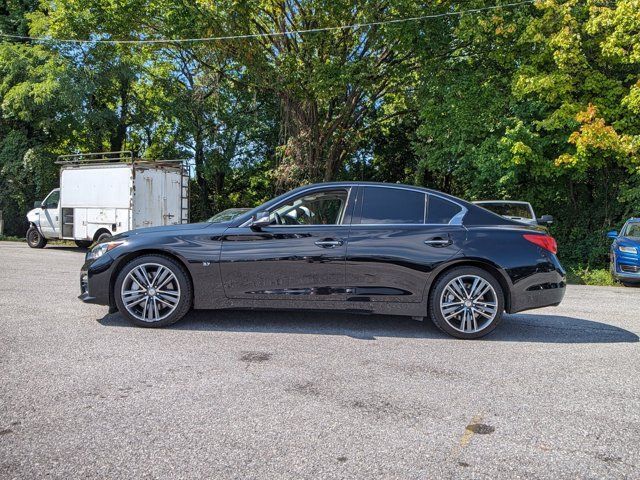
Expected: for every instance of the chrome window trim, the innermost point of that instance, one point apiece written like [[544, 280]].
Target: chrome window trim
[[405, 224], [455, 220]]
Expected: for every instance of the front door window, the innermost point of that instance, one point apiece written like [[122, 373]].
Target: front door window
[[321, 208]]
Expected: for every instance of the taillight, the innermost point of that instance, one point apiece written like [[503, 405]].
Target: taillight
[[544, 241]]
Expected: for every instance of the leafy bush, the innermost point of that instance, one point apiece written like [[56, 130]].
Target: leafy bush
[[579, 275]]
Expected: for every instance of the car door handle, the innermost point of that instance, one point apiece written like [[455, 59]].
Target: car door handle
[[438, 242], [328, 243]]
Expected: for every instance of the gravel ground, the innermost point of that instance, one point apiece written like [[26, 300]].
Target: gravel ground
[[552, 393]]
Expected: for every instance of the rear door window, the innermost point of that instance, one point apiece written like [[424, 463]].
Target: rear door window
[[385, 205], [441, 211]]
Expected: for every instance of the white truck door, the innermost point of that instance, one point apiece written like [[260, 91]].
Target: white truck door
[[171, 198], [50, 217]]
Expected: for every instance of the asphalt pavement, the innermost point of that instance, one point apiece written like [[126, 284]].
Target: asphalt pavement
[[553, 393]]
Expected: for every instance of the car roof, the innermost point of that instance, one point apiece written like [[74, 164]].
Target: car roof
[[382, 184], [475, 214]]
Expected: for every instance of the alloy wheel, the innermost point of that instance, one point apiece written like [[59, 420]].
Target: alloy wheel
[[469, 303], [150, 292]]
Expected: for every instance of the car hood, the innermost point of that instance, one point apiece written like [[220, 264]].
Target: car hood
[[163, 229], [628, 242]]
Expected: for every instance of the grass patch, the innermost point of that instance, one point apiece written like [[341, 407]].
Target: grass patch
[[8, 238], [65, 243], [578, 275]]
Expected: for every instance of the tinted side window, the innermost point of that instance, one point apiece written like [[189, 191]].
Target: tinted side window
[[441, 211], [392, 205]]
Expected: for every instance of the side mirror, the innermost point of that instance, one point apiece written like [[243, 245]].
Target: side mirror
[[37, 204], [260, 219], [612, 234], [546, 219]]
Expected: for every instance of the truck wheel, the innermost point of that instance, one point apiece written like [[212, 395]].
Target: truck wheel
[[153, 291], [83, 243], [103, 237], [35, 238]]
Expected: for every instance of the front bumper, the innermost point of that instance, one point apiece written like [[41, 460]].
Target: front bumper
[[95, 280], [626, 266]]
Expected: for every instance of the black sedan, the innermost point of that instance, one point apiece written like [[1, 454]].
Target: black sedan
[[361, 247]]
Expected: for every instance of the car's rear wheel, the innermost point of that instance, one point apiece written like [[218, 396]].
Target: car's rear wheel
[[466, 302], [153, 291], [35, 238]]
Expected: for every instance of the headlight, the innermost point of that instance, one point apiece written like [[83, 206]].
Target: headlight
[[101, 249], [628, 250]]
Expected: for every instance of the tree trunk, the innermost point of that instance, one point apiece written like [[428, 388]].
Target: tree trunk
[[118, 137], [201, 180]]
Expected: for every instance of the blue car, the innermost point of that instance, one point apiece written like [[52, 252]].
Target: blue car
[[625, 250]]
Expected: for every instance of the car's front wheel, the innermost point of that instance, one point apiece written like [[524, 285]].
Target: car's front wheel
[[153, 291], [466, 302]]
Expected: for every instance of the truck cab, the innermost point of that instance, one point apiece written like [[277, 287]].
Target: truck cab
[[45, 215]]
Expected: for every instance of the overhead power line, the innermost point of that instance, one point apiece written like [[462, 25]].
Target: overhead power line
[[269, 34]]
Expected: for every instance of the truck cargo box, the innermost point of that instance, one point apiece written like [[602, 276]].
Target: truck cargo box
[[109, 193]]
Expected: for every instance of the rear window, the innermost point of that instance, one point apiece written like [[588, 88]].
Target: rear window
[[441, 211], [381, 205], [517, 210]]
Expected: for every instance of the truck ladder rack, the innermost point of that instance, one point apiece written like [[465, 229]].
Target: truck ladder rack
[[185, 197]]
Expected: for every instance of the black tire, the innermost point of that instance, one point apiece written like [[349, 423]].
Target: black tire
[[103, 237], [631, 284], [436, 293], [35, 238], [83, 243], [185, 297]]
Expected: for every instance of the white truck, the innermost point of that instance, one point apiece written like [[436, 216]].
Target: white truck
[[108, 193]]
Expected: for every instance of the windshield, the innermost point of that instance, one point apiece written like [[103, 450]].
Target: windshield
[[227, 215], [518, 210], [633, 230]]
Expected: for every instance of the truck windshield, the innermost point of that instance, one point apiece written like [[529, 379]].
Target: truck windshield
[[508, 209]]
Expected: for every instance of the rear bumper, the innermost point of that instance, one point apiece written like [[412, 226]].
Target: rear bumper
[[549, 296], [543, 288]]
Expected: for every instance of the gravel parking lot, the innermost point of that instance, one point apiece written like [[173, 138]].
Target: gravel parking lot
[[553, 393]]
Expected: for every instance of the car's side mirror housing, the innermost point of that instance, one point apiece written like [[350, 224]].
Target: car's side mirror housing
[[612, 234], [37, 204], [546, 219], [260, 219]]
